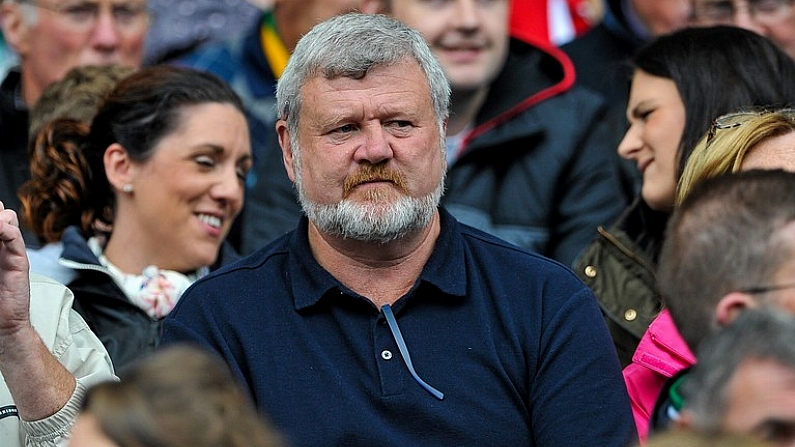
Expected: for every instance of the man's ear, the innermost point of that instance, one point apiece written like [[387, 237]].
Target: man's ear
[[685, 420], [730, 306], [287, 148], [373, 7], [118, 167], [16, 30]]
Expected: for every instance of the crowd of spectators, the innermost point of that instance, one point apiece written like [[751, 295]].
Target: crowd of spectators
[[397, 222]]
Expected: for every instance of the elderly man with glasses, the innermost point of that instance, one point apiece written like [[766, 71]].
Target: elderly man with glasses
[[51, 37], [774, 19]]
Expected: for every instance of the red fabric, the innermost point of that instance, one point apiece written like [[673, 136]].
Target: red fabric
[[581, 23], [530, 19]]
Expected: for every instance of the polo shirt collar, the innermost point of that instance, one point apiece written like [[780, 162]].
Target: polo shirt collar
[[445, 269]]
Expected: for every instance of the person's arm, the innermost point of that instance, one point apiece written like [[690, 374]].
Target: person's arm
[[38, 383], [578, 395], [75, 347]]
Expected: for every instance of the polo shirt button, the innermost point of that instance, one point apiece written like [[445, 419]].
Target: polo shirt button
[[386, 354], [590, 271], [630, 315]]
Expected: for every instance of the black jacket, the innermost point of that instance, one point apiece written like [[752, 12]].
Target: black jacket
[[601, 56], [14, 160], [538, 168], [127, 332], [602, 62]]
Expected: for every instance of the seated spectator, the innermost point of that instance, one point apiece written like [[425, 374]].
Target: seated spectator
[[744, 381], [50, 37], [142, 199], [730, 246], [528, 157], [48, 355], [602, 59], [671, 105], [382, 320], [735, 142], [77, 97], [176, 397], [741, 141]]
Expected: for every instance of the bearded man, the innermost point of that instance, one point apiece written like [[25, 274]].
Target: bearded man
[[381, 320]]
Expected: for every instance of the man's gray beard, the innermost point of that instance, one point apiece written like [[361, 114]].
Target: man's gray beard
[[372, 221]]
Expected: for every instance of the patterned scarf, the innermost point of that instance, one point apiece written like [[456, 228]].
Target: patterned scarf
[[154, 291]]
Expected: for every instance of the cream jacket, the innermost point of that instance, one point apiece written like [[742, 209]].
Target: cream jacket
[[70, 340]]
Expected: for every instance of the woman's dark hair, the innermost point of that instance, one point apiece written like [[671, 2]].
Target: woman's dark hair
[[718, 70], [69, 185]]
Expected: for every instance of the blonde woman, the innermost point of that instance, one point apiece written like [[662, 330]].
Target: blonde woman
[[741, 141]]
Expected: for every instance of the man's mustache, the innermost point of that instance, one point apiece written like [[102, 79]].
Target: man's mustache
[[374, 173]]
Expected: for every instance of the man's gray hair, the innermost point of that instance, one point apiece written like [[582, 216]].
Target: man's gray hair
[[349, 46], [765, 333]]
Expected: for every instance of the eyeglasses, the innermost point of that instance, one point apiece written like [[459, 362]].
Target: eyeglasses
[[736, 119], [723, 12], [84, 15], [764, 289]]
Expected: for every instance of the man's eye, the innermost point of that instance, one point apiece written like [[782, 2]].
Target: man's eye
[[768, 6], [83, 12], [347, 128], [719, 10], [126, 13]]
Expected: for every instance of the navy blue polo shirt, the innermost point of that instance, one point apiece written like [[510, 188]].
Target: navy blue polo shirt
[[514, 341]]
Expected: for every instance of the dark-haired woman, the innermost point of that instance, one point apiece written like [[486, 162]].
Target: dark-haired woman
[[681, 82], [142, 199]]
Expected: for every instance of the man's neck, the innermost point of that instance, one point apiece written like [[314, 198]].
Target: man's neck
[[381, 272], [464, 108], [30, 90]]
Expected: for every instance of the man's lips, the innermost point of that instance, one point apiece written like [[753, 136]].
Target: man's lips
[[463, 52], [367, 183], [374, 180]]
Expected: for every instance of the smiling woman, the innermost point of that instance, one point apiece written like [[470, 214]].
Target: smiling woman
[[141, 200], [671, 105]]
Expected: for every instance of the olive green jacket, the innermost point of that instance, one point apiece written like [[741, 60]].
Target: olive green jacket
[[619, 266]]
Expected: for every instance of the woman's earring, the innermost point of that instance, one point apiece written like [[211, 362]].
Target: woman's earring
[[128, 188]]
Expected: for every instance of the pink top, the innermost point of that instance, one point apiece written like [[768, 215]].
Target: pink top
[[661, 353]]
